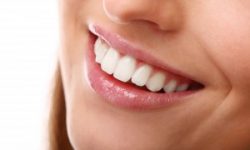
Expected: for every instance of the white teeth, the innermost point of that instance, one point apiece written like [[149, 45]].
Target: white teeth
[[156, 82], [182, 87], [125, 68], [109, 61], [171, 86], [141, 75], [100, 50]]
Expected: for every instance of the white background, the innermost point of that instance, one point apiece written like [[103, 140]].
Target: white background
[[28, 45]]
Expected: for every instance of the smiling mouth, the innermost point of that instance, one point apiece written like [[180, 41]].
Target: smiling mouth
[[130, 78], [130, 70]]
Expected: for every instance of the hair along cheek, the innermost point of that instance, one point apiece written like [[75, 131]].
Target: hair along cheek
[[58, 137]]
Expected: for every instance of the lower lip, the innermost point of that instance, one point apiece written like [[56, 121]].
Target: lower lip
[[123, 94]]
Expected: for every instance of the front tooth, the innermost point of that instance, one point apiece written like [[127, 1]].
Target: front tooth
[[110, 60], [100, 50], [125, 68], [171, 86], [156, 82], [182, 87], [141, 75]]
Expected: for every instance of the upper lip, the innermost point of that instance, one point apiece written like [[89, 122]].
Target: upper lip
[[126, 47]]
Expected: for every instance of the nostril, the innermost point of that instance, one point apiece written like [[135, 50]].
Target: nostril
[[122, 13], [155, 26], [165, 16]]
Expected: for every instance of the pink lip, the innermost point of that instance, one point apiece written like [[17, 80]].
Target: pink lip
[[124, 94]]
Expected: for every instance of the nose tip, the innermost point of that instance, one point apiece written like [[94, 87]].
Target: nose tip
[[163, 14]]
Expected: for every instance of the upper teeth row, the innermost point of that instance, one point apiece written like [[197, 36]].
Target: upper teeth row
[[126, 68]]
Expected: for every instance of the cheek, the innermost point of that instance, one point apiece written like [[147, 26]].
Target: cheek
[[231, 53], [226, 36]]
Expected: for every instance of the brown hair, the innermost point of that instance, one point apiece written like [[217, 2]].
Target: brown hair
[[58, 137]]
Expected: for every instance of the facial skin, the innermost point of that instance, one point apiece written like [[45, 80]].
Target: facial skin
[[208, 39]]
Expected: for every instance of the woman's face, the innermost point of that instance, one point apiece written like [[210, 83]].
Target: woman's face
[[166, 74]]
